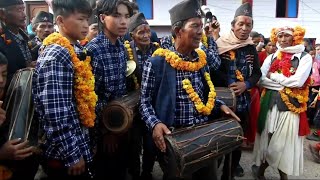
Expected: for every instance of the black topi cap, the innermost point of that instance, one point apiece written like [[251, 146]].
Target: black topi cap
[[244, 10], [43, 16], [136, 20], [185, 10], [6, 3]]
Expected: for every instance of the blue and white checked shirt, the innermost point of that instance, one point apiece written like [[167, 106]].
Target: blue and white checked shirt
[[53, 83], [213, 58], [240, 63], [109, 65], [185, 112]]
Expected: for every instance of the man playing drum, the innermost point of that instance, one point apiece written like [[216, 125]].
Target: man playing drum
[[176, 90]]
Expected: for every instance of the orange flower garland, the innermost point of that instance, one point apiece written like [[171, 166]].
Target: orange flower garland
[[84, 41], [232, 55], [298, 35], [5, 173], [84, 81], [176, 62], [3, 36], [239, 76], [283, 65]]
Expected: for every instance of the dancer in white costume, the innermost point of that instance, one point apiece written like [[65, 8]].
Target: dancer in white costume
[[282, 125]]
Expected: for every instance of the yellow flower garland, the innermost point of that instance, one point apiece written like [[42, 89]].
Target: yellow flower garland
[[84, 81], [301, 95], [232, 55], [239, 76], [201, 108], [204, 40], [176, 62], [130, 54]]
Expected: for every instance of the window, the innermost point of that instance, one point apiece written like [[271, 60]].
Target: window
[[146, 7], [287, 8]]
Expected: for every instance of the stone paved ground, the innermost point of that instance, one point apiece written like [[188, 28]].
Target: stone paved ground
[[311, 169]]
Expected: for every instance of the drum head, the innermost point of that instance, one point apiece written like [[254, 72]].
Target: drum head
[[116, 118]]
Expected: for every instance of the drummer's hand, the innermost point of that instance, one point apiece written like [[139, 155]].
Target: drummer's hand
[[78, 168], [229, 112], [158, 132], [2, 114], [15, 150], [238, 87]]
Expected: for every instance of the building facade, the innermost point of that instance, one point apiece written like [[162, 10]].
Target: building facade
[[266, 14]]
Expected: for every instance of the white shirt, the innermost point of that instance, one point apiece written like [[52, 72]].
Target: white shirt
[[278, 81]]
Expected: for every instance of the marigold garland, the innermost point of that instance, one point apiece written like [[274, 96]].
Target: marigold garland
[[84, 41], [232, 55], [204, 40], [201, 108], [130, 54], [3, 36], [298, 35], [85, 95], [284, 67], [5, 173], [239, 75], [176, 62]]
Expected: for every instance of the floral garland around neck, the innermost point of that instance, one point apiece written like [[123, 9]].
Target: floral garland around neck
[[201, 108], [84, 41], [204, 40], [283, 65], [130, 54], [3, 36], [239, 76], [85, 95], [176, 62]]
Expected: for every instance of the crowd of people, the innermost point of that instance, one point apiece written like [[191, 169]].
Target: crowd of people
[[80, 56]]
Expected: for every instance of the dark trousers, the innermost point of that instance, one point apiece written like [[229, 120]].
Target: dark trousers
[[235, 154], [23, 169], [112, 166], [56, 170], [139, 137]]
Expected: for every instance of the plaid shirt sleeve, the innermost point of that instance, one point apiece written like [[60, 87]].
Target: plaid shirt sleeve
[[55, 81], [213, 57], [147, 89]]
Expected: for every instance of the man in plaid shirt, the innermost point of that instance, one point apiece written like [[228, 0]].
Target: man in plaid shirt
[[109, 67], [165, 102], [66, 148]]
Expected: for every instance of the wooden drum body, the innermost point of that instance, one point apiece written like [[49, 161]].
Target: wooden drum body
[[119, 113], [227, 96], [19, 107], [191, 148]]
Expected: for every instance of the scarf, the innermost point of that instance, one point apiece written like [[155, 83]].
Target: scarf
[[291, 49], [229, 42]]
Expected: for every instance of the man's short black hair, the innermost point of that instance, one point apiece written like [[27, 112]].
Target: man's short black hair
[[67, 7], [134, 6], [109, 7]]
